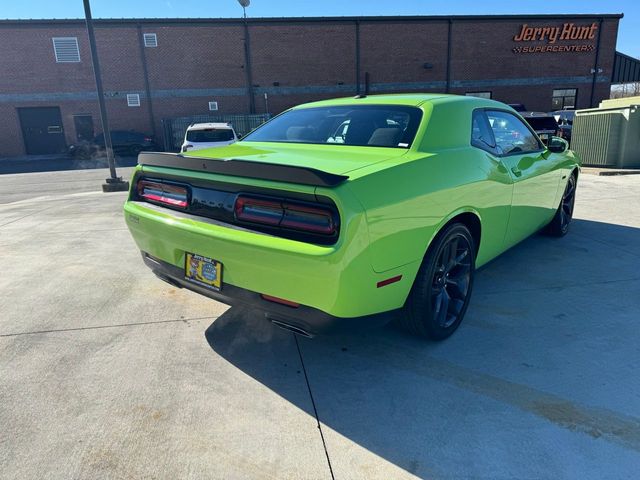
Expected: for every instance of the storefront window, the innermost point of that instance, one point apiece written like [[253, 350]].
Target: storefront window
[[564, 99]]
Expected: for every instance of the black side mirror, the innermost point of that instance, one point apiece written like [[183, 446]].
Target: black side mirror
[[557, 145]]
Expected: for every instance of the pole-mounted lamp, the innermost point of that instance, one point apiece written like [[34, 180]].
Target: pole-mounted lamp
[[244, 4]]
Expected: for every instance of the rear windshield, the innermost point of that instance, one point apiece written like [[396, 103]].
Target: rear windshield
[[361, 125], [542, 123], [210, 135]]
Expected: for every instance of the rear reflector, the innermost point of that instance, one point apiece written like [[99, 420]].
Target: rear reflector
[[285, 214], [388, 281], [281, 301], [164, 193]]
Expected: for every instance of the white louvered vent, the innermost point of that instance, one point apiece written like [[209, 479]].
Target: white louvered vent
[[150, 40], [133, 99], [66, 49], [213, 105]]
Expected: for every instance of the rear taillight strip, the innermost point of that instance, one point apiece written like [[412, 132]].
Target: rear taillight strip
[[164, 193], [285, 214]]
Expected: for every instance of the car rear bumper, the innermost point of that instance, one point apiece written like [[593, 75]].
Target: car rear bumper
[[302, 320], [337, 280]]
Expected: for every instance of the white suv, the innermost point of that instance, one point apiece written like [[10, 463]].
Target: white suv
[[208, 135]]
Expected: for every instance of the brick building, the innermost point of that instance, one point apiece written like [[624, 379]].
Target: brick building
[[154, 69]]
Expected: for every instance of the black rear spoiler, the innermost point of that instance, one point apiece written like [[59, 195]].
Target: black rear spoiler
[[243, 168]]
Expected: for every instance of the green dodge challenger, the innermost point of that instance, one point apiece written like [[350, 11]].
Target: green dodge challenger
[[353, 211]]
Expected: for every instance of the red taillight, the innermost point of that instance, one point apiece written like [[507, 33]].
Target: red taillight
[[258, 211], [312, 219], [285, 214], [168, 194]]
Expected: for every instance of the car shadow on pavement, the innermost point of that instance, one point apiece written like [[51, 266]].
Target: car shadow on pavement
[[522, 373]]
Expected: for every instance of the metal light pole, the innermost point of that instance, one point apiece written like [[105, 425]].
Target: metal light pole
[[113, 183], [247, 56]]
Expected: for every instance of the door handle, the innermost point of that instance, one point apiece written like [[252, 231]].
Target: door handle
[[516, 171]]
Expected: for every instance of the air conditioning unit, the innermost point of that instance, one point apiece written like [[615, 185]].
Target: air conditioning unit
[[608, 136]]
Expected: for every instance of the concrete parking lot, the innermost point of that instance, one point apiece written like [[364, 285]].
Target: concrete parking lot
[[107, 372]]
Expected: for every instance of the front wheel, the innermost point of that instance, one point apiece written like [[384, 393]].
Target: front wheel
[[559, 226], [440, 294]]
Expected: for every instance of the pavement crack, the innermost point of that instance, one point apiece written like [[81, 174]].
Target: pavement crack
[[313, 403], [97, 327], [27, 215]]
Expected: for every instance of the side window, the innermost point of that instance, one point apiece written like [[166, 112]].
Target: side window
[[511, 134], [481, 134]]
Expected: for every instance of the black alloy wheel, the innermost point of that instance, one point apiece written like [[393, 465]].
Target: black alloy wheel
[[559, 226], [440, 295], [450, 284]]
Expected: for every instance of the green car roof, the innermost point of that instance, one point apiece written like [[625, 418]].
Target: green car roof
[[411, 99]]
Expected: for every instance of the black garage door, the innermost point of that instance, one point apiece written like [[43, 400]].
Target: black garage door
[[42, 130]]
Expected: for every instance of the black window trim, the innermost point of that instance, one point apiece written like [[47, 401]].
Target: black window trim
[[526, 124], [483, 146]]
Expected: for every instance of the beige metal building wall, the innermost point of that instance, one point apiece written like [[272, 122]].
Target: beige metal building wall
[[609, 136]]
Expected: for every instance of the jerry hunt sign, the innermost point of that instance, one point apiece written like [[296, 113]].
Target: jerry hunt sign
[[548, 36]]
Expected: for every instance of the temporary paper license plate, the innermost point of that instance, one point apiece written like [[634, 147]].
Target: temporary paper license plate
[[203, 271]]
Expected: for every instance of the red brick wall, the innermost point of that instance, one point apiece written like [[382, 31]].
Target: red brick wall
[[196, 57], [202, 61], [303, 54], [483, 49], [395, 52], [28, 63]]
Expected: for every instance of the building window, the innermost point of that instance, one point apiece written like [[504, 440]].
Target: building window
[[150, 40], [479, 94], [564, 99], [66, 49], [133, 100], [213, 105]]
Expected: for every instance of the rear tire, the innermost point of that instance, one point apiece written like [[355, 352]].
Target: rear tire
[[559, 226], [441, 291]]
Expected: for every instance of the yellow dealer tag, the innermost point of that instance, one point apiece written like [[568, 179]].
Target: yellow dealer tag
[[203, 271]]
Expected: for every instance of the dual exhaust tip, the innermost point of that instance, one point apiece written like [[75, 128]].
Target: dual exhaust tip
[[291, 328], [277, 322]]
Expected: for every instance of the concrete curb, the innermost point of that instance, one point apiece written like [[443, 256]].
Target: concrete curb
[[609, 172]]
